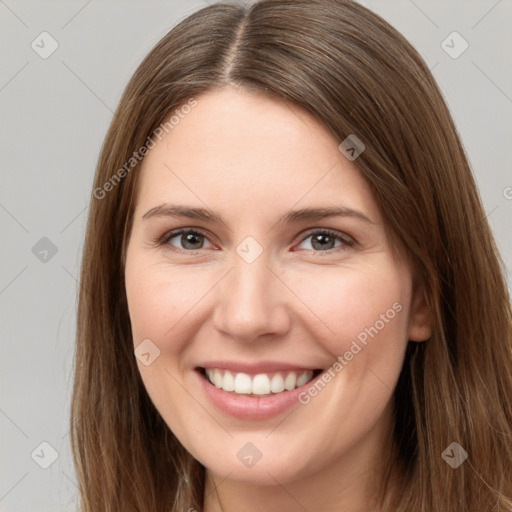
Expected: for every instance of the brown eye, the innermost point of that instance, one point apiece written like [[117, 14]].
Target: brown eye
[[326, 240], [186, 240]]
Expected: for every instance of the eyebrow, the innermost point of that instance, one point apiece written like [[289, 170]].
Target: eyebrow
[[293, 216]]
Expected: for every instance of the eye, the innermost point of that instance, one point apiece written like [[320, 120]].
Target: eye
[[191, 240], [188, 240], [325, 240]]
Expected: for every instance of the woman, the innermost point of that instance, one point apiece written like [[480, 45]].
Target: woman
[[290, 296]]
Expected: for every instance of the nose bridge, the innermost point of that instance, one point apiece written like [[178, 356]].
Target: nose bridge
[[250, 302], [251, 279]]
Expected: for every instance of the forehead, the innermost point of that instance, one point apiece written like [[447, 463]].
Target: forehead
[[245, 152]]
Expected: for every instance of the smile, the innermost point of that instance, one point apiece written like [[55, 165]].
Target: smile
[[256, 393], [260, 384]]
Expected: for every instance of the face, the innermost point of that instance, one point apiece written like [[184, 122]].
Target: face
[[268, 312]]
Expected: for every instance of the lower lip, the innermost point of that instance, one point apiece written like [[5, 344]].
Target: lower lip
[[253, 408]]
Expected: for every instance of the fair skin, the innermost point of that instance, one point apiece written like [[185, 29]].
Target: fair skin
[[303, 301]]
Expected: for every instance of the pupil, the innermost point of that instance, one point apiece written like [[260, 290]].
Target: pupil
[[323, 240], [190, 239]]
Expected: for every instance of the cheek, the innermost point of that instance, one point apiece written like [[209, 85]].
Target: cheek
[[364, 322], [163, 306], [161, 301], [356, 304]]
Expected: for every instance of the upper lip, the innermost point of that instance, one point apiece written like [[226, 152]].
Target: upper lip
[[255, 368]]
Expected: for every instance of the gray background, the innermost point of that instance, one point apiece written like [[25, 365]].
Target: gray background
[[55, 113]]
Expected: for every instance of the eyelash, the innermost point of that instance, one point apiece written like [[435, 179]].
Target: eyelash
[[163, 241]]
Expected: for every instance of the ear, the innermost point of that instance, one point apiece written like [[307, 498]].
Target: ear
[[420, 316]]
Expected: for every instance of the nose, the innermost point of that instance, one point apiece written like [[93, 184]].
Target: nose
[[252, 301]]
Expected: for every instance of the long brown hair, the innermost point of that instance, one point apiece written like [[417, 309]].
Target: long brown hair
[[357, 75]]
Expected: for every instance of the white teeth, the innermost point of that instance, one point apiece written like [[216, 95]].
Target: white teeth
[[304, 377], [260, 384], [243, 383], [217, 378], [290, 381], [277, 383], [228, 384]]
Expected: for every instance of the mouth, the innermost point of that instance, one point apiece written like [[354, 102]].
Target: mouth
[[259, 385]]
